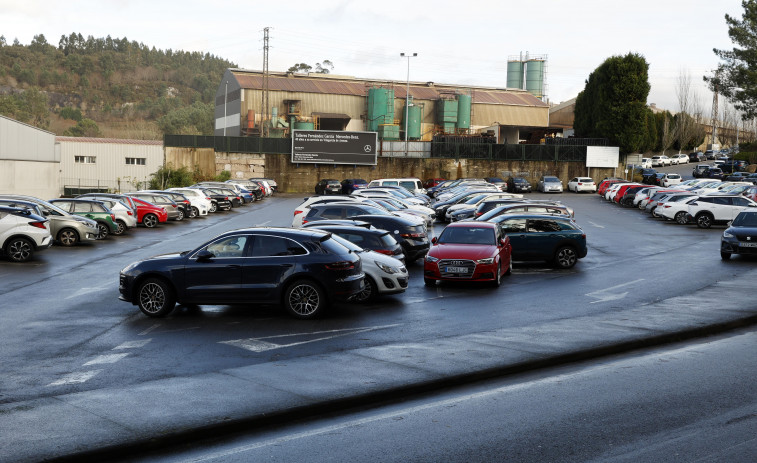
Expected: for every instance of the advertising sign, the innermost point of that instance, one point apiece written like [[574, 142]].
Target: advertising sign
[[334, 147], [602, 156]]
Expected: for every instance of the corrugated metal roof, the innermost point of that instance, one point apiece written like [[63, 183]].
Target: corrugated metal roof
[[319, 84], [332, 115], [120, 141]]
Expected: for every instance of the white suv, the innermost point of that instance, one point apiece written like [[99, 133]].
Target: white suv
[[708, 210], [197, 200], [22, 233]]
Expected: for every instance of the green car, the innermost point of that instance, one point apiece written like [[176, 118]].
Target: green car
[[544, 237], [91, 209]]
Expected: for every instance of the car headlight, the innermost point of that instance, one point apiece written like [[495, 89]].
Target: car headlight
[[727, 235], [129, 267], [431, 259], [490, 260], [386, 268]]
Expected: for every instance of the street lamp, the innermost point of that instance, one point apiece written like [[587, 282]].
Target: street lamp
[[407, 97]]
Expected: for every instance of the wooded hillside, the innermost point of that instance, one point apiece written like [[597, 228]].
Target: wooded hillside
[[108, 87]]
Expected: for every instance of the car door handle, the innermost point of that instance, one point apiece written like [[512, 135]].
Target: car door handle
[[286, 265], [234, 266]]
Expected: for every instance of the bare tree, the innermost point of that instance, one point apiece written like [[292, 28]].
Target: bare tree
[[668, 133], [688, 107]]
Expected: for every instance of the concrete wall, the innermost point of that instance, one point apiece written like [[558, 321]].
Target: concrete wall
[[40, 179]]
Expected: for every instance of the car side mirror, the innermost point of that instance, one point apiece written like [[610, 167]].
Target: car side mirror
[[434, 240], [205, 256]]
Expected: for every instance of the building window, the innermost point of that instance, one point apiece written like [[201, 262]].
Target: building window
[[136, 161], [85, 159]]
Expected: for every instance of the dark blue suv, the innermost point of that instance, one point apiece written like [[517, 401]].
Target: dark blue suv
[[351, 184]]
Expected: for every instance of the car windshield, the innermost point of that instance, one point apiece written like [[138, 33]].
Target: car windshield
[[551, 179], [467, 235], [346, 243], [745, 219]]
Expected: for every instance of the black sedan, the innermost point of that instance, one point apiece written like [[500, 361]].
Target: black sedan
[[303, 270], [412, 237]]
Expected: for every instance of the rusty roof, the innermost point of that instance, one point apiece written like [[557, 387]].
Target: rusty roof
[[359, 87]]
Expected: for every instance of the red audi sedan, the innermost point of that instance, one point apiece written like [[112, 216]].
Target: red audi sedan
[[468, 251]]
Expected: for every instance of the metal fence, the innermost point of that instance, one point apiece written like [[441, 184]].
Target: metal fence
[[454, 149]]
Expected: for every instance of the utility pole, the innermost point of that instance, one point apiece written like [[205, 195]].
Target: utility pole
[[266, 104]]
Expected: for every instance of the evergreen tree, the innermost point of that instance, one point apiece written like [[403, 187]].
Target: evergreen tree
[[613, 104]]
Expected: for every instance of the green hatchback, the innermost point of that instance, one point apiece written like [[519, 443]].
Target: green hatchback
[[95, 210], [544, 237]]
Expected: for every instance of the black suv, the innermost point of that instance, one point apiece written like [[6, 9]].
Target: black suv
[[741, 236], [328, 186]]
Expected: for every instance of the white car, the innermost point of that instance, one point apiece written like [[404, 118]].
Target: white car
[[475, 201], [383, 274], [708, 210], [22, 233], [199, 203], [682, 158], [578, 184], [671, 179], [677, 210]]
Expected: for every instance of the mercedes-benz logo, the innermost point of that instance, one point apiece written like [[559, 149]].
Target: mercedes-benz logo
[[367, 148]]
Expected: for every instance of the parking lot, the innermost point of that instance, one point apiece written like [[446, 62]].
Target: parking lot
[[65, 329]]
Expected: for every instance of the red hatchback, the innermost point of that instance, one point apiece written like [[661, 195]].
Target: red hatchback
[[468, 251], [149, 214]]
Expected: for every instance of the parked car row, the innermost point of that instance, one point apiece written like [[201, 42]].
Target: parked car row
[[703, 202], [96, 216]]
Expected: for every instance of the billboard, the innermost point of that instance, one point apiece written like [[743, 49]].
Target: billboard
[[334, 147], [602, 156]]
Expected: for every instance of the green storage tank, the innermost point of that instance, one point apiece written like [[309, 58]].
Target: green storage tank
[[389, 132], [380, 107], [535, 77], [446, 112], [463, 111], [301, 125], [415, 114], [515, 74]]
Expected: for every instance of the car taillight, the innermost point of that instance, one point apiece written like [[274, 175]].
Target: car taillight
[[343, 265], [297, 212], [174, 206], [209, 199], [479, 214], [388, 252], [129, 213], [304, 221], [412, 235], [38, 225], [226, 198]]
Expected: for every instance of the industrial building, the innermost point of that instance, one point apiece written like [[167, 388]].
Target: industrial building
[[29, 160], [331, 102]]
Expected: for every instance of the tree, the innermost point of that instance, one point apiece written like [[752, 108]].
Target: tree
[[667, 134], [613, 104], [324, 67], [735, 77], [84, 128], [300, 67], [689, 112]]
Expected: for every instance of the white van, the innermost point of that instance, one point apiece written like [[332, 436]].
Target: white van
[[414, 185]]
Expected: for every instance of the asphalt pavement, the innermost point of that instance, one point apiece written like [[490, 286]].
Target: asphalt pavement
[[117, 422]]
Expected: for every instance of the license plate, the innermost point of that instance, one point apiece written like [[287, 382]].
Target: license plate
[[748, 245], [456, 270]]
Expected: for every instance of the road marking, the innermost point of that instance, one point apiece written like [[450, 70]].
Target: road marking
[[263, 344], [597, 225], [106, 358], [133, 344], [149, 329], [608, 294], [75, 378], [88, 290]]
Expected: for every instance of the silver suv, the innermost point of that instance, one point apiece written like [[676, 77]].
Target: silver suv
[[67, 229]]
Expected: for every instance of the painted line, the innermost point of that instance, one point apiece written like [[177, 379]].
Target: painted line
[[262, 345], [75, 378], [608, 294], [106, 358], [597, 225], [88, 290], [149, 329], [133, 344]]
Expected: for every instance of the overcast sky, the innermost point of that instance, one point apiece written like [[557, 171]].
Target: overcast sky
[[458, 42]]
